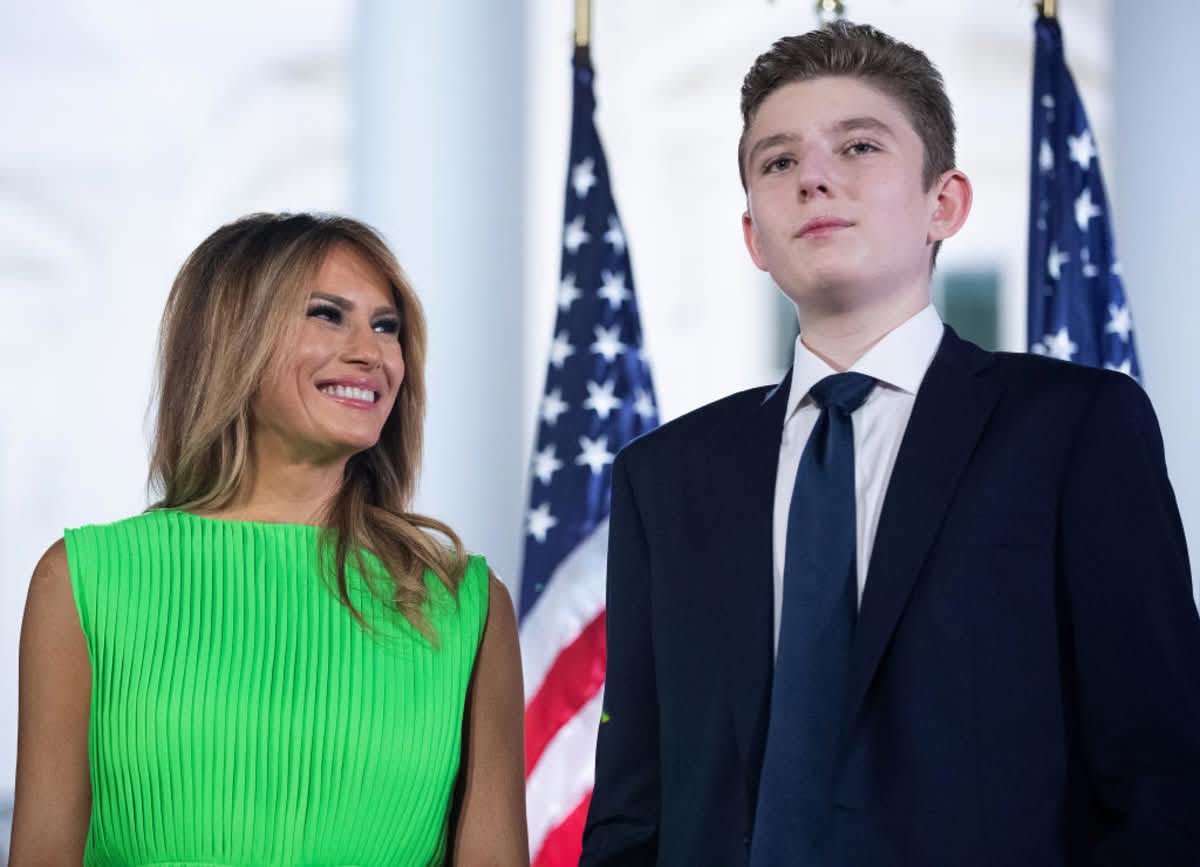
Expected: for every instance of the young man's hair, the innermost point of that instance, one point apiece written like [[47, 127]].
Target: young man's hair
[[859, 51]]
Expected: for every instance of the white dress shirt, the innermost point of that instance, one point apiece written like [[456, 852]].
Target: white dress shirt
[[899, 362]]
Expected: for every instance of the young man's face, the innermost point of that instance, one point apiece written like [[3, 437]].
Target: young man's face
[[836, 208]]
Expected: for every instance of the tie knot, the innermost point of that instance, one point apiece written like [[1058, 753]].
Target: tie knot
[[842, 391]]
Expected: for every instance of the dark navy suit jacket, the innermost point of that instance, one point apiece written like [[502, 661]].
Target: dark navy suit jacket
[[1025, 675]]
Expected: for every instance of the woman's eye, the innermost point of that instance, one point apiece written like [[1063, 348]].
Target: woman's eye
[[325, 311], [387, 326]]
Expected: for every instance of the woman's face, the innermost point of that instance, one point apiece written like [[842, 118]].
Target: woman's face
[[327, 396]]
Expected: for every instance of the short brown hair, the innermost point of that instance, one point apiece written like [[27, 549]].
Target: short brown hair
[[859, 51]]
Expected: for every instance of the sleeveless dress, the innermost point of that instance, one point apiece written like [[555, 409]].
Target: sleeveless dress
[[241, 716]]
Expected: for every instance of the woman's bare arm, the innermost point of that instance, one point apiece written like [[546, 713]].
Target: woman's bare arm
[[53, 798], [491, 831]]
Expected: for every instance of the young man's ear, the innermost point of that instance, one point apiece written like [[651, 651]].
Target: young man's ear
[[751, 241], [952, 202]]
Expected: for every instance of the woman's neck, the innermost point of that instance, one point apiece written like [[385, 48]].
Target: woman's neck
[[283, 492]]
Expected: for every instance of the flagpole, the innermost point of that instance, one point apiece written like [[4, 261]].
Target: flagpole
[[597, 351], [583, 32]]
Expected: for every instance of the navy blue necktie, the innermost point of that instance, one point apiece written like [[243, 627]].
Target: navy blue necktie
[[820, 605]]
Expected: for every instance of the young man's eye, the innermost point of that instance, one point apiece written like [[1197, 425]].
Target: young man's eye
[[328, 312], [861, 147], [778, 164], [387, 326]]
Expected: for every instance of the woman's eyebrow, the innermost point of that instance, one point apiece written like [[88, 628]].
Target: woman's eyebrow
[[346, 304]]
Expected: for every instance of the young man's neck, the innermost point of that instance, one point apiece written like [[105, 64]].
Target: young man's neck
[[841, 337]]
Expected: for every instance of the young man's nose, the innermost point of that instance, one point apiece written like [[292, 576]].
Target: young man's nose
[[813, 190], [812, 176]]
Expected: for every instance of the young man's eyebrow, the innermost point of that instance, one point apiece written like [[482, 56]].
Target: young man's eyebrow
[[769, 142], [866, 123], [346, 304]]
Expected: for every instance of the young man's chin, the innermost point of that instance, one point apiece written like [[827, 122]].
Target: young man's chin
[[827, 294]]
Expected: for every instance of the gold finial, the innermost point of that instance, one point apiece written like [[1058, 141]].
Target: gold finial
[[583, 33], [583, 23], [829, 11]]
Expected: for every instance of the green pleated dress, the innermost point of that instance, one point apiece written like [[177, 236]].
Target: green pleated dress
[[239, 714]]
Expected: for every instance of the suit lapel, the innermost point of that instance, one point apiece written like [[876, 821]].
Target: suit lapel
[[951, 409], [745, 480]]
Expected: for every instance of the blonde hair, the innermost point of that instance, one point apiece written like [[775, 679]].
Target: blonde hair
[[232, 307]]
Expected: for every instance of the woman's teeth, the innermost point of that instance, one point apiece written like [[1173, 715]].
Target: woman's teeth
[[349, 392]]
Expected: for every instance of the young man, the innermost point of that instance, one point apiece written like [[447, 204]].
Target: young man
[[919, 604]]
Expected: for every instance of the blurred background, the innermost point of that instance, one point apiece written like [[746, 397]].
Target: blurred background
[[133, 129]]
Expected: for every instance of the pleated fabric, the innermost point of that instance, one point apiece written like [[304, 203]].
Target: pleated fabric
[[240, 715]]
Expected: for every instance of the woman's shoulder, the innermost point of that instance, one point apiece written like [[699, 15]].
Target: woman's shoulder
[[160, 526], [52, 568], [495, 591], [488, 591], [141, 522], [50, 603], [477, 580], [86, 547], [463, 601]]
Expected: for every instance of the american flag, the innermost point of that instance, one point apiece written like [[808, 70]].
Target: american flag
[[1077, 305], [598, 397]]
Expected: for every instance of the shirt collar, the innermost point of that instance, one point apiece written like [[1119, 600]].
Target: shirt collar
[[899, 360]]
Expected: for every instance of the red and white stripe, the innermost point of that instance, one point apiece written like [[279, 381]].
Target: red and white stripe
[[563, 656]]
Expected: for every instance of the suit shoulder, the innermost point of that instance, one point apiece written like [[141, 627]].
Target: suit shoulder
[[697, 426], [1028, 365], [1068, 395], [1029, 371]]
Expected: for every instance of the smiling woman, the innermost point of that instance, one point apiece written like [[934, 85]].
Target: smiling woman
[[332, 390], [278, 662], [263, 315]]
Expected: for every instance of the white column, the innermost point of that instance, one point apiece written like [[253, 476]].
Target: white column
[[1158, 184], [438, 151]]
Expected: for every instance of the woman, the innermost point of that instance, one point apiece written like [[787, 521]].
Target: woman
[[277, 663]]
